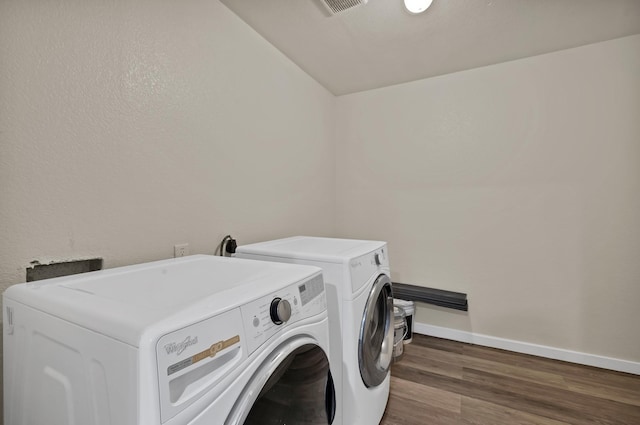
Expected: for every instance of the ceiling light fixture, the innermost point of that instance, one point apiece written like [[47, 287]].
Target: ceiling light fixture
[[417, 6]]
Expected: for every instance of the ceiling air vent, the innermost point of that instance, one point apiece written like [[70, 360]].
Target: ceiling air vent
[[337, 6]]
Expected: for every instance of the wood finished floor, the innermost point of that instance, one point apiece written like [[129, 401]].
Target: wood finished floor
[[442, 382]]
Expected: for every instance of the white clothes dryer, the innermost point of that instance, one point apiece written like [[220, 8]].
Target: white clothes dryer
[[360, 306], [198, 340]]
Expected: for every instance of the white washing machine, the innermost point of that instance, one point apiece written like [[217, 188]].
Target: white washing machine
[[199, 340], [360, 306]]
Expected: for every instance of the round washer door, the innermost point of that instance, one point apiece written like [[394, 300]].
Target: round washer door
[[375, 345], [294, 386]]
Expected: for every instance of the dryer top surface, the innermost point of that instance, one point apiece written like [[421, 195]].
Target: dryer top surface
[[314, 248]]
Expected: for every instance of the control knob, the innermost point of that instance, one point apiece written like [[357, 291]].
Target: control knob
[[280, 311]]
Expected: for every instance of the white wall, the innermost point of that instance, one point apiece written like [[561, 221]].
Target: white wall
[[129, 126], [517, 183]]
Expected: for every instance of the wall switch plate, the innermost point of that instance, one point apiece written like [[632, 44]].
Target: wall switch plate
[[180, 250]]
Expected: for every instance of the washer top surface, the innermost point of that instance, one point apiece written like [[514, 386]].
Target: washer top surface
[[123, 302], [170, 285], [313, 248]]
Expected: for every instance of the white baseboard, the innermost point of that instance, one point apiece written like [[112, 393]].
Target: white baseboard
[[528, 348]]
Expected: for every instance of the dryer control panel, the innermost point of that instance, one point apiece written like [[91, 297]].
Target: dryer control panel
[[364, 267], [266, 316]]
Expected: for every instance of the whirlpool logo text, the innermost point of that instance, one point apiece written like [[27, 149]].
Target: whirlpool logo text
[[179, 347]]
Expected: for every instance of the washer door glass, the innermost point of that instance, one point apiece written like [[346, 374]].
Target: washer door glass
[[375, 346], [299, 391]]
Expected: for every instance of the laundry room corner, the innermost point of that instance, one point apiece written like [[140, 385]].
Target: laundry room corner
[[485, 149]]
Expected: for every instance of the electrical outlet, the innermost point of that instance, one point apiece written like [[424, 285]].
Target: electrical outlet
[[181, 250]]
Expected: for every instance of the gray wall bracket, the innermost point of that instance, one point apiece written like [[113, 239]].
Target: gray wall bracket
[[439, 297]]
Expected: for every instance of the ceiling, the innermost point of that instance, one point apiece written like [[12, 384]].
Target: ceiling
[[379, 43]]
